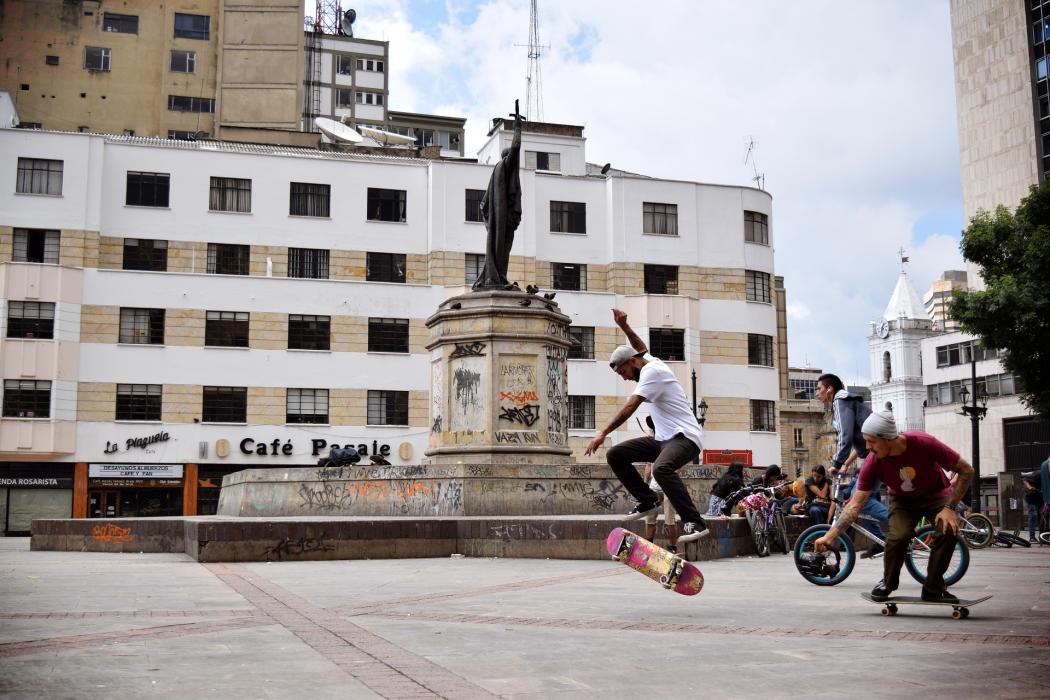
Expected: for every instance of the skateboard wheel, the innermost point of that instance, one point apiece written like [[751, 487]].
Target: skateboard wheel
[[965, 613], [957, 614]]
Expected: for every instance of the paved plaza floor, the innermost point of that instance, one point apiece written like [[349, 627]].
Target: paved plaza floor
[[92, 625]]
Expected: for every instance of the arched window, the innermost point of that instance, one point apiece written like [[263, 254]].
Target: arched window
[[887, 367]]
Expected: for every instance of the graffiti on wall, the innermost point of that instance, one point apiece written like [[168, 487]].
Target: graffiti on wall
[[556, 420]]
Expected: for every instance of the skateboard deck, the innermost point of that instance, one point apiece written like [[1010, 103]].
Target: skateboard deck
[[667, 569], [960, 610]]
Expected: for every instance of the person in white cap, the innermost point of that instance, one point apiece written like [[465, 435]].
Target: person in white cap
[[678, 436], [912, 465]]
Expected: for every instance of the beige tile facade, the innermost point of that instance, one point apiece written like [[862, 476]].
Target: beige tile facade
[[184, 327], [723, 347], [716, 283], [347, 406], [182, 403], [728, 413], [78, 248], [277, 255], [99, 324], [187, 256], [96, 401], [447, 267], [268, 331], [626, 278], [347, 265], [349, 334], [266, 405], [417, 268], [419, 409], [110, 253]]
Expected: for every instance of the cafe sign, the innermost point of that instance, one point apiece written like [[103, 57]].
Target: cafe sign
[[135, 471]]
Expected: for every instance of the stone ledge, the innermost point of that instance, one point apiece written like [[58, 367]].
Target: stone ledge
[[228, 539]]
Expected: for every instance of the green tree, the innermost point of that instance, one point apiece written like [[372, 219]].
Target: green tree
[[1013, 312]]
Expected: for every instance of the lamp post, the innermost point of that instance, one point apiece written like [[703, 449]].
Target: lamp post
[[702, 406], [976, 414]]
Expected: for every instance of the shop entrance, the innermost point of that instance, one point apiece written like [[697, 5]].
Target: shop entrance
[[134, 503]]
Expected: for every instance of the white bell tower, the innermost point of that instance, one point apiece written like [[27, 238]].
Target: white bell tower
[[896, 355]]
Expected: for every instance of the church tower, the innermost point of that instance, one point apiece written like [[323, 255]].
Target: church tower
[[896, 355]]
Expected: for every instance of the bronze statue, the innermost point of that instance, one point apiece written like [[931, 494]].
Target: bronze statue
[[501, 208]]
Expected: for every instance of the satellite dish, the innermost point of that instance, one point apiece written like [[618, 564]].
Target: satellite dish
[[386, 138], [336, 131], [605, 171], [347, 22]]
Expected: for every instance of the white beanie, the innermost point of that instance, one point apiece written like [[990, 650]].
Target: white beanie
[[881, 425]]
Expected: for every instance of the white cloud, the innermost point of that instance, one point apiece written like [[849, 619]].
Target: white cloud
[[852, 105]]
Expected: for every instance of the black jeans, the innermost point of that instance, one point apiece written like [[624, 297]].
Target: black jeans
[[667, 457]]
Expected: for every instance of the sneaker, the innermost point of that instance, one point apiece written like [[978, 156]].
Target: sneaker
[[693, 531], [938, 597], [1031, 539], [875, 549], [641, 510], [672, 549], [881, 592]]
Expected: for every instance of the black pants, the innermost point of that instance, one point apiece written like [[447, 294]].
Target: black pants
[[904, 516], [667, 457]]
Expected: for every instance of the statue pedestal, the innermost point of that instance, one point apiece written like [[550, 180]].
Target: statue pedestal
[[498, 380]]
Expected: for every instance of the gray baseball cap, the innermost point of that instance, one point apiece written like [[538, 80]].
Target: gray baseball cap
[[622, 354]]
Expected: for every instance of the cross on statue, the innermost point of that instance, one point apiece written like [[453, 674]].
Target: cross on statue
[[903, 257]]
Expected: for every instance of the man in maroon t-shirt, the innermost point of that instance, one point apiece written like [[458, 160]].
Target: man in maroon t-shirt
[[912, 466]]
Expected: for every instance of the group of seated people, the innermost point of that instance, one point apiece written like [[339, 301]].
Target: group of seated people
[[808, 496]]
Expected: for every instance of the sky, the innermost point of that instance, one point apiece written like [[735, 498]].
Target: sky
[[850, 103]]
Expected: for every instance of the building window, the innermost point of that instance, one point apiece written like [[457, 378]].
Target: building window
[[660, 218], [176, 135], [992, 386], [798, 439], [660, 279], [183, 61], [344, 97], [309, 263], [756, 227], [308, 332], [887, 367], [757, 286], [370, 64], [582, 338], [387, 407], [542, 160], [385, 267], [31, 319], [141, 326], [138, 401], [125, 24], [39, 176], [473, 205], [230, 194], [306, 406], [36, 246], [27, 398], [147, 189], [145, 254], [29, 125], [344, 64], [760, 350], [226, 329], [225, 404], [960, 353], [309, 199], [388, 335], [228, 259], [473, 266], [97, 58], [762, 416], [803, 388], [667, 343], [581, 413], [192, 26], [568, 217], [386, 205], [569, 276], [369, 98], [197, 105], [51, 60]]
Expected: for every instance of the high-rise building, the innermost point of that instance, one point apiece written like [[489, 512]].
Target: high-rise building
[[939, 294]]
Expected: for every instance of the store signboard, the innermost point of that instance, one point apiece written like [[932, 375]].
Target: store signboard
[[35, 482], [135, 471]]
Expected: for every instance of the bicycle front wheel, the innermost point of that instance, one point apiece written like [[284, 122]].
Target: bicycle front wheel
[[1044, 537], [759, 533], [826, 568], [919, 556], [979, 531], [780, 533]]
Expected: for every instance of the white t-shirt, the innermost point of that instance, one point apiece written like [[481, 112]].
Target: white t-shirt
[[667, 401]]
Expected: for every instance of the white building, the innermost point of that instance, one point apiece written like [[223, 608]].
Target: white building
[[896, 357], [174, 311]]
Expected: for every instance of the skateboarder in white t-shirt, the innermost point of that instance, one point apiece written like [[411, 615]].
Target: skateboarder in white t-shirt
[[678, 439]]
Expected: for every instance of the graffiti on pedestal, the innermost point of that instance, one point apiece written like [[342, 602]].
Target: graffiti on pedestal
[[556, 426]]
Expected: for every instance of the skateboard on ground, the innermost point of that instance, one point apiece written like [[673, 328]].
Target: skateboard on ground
[[960, 610], [669, 570]]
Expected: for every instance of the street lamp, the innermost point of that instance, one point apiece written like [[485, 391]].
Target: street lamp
[[703, 412], [976, 414]]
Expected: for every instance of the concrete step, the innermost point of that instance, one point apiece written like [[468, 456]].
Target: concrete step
[[238, 539]]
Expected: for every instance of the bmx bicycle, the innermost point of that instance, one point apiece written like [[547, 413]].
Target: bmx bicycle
[[765, 517], [835, 564]]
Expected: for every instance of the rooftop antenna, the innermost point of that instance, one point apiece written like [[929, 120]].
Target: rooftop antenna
[[329, 17], [534, 78], [760, 178]]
